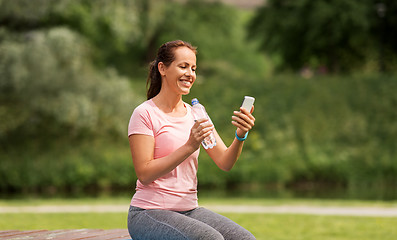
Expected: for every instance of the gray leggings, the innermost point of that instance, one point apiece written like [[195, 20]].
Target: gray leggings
[[199, 223]]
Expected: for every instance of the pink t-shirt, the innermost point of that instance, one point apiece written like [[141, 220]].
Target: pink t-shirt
[[176, 190]]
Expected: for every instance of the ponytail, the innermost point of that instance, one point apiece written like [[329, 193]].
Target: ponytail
[[153, 82], [165, 54]]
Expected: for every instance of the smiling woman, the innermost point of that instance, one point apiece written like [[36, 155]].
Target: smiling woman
[[180, 75], [165, 58], [164, 141]]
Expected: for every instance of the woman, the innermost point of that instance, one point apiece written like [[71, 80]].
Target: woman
[[165, 141]]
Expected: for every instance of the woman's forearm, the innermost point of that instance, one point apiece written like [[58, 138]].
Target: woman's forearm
[[226, 157], [244, 121], [156, 168], [148, 168], [231, 155]]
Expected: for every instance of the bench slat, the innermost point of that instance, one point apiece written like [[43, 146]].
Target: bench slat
[[67, 234]]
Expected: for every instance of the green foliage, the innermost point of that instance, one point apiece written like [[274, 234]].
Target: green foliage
[[67, 167], [325, 130], [25, 14], [48, 86], [65, 103], [218, 32], [110, 26], [116, 31], [203, 24], [340, 35]]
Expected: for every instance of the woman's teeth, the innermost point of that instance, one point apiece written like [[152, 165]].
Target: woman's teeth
[[186, 82]]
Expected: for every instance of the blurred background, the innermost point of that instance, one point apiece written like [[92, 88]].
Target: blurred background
[[323, 74]]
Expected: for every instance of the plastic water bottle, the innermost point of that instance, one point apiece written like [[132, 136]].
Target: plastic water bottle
[[200, 113]]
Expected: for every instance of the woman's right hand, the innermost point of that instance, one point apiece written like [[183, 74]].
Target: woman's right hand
[[201, 129], [148, 168]]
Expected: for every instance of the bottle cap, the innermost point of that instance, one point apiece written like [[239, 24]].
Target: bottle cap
[[194, 101]]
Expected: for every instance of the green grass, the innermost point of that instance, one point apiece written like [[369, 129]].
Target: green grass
[[263, 226], [308, 227], [52, 221], [37, 201]]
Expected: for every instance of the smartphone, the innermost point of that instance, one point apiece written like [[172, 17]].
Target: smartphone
[[248, 102]]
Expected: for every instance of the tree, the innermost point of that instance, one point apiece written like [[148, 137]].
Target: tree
[[338, 34], [50, 85], [50, 88]]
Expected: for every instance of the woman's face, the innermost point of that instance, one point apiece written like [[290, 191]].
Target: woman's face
[[181, 74]]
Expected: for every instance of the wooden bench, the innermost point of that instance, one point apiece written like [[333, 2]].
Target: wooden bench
[[69, 234]]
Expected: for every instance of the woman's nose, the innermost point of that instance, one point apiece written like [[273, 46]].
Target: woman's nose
[[189, 72]]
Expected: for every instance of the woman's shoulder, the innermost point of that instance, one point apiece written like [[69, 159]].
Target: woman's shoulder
[[144, 110], [141, 119], [145, 106]]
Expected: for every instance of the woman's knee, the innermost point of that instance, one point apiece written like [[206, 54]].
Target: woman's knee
[[211, 234], [228, 228], [160, 224]]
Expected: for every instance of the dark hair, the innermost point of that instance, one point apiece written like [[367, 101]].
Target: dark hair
[[166, 55]]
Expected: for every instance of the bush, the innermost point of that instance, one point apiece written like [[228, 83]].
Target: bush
[[67, 166], [327, 129]]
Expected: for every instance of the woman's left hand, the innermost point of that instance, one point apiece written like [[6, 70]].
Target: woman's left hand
[[225, 157], [243, 120]]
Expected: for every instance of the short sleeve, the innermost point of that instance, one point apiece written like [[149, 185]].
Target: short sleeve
[[140, 122]]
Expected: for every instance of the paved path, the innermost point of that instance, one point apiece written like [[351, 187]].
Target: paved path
[[282, 209], [312, 210]]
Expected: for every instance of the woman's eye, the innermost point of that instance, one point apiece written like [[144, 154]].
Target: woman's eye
[[185, 67]]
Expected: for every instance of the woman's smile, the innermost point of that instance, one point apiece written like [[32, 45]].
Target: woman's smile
[[186, 83]]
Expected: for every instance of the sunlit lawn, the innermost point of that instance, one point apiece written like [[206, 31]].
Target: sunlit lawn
[[263, 226], [310, 227]]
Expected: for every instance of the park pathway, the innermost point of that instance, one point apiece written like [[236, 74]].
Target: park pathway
[[280, 209]]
